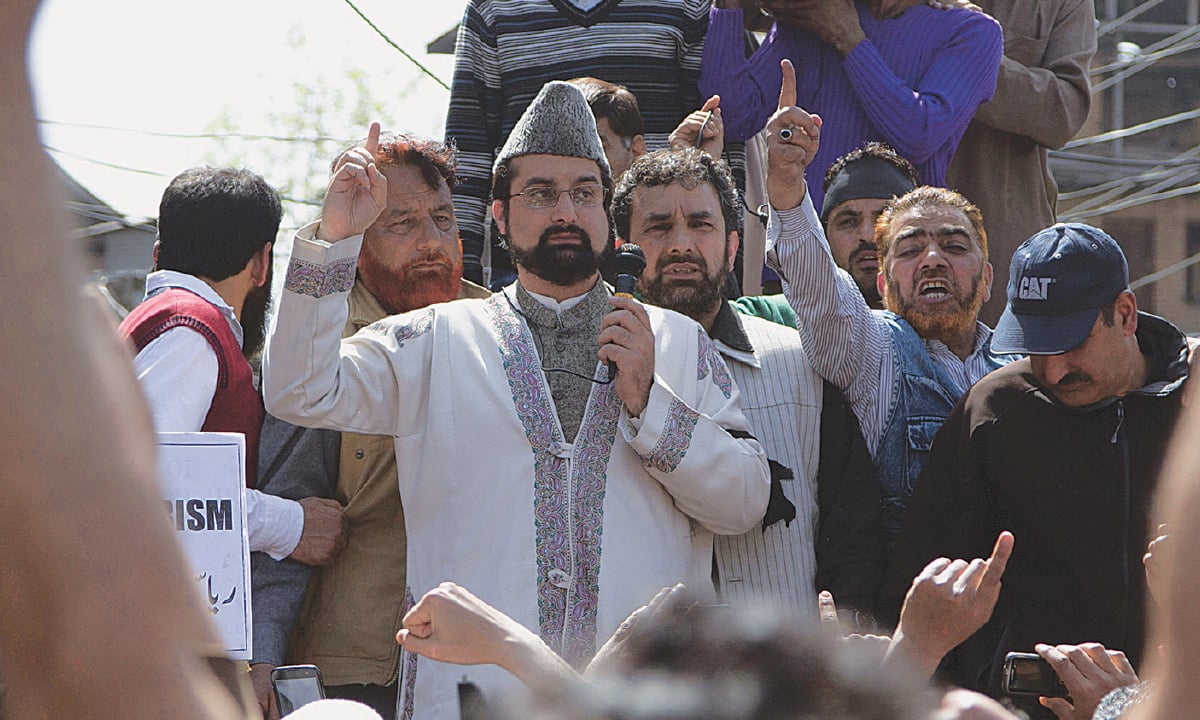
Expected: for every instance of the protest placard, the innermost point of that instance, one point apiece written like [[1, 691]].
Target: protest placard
[[203, 482]]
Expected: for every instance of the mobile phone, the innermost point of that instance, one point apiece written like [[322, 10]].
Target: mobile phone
[[1029, 674], [296, 686]]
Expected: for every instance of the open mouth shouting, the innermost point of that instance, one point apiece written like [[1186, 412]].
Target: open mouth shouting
[[934, 290]]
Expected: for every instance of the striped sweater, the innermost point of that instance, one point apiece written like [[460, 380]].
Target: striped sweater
[[508, 49], [914, 83]]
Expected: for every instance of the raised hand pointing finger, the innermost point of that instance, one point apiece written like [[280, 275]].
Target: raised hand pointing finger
[[787, 89]]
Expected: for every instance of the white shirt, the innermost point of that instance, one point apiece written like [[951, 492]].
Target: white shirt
[[781, 397], [565, 537], [178, 374], [846, 341]]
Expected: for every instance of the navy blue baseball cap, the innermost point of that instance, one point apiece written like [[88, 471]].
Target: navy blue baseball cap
[[1057, 283]]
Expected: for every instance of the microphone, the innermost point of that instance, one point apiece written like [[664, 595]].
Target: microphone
[[627, 266]]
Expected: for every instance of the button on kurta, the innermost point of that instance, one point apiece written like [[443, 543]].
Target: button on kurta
[[559, 578]]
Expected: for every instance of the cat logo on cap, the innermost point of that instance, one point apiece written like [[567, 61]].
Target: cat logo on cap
[[1034, 288]]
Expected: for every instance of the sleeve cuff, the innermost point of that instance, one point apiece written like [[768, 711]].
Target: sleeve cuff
[[801, 220], [666, 430], [274, 524], [319, 269], [725, 18], [306, 244]]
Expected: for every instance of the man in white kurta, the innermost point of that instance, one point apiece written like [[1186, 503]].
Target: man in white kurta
[[565, 532]]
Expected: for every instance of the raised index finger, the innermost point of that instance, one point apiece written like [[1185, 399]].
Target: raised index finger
[[787, 89], [999, 559], [373, 139]]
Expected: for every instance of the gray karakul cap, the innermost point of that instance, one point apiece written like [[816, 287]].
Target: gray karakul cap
[[557, 122]]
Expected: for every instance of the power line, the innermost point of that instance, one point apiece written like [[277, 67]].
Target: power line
[[194, 136], [391, 42], [1134, 129], [1121, 161], [154, 173], [1111, 25], [94, 161], [1168, 270], [1126, 204], [1176, 44], [1111, 190]]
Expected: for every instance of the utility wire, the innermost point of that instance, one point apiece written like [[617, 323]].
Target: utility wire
[[1134, 129], [126, 168], [194, 136], [391, 42], [1126, 204], [1115, 23], [1106, 191], [1121, 161], [1175, 45], [1168, 270], [115, 166], [1132, 199]]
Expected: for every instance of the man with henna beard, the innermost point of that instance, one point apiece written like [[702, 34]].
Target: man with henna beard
[[411, 258]]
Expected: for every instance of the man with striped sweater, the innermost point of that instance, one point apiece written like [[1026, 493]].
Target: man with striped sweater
[[508, 49]]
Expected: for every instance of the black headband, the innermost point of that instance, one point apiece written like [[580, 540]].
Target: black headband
[[867, 177]]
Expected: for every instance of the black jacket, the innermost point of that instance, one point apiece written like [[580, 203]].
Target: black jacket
[[849, 556], [1075, 486]]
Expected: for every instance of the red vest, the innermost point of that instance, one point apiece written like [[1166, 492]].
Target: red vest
[[236, 405]]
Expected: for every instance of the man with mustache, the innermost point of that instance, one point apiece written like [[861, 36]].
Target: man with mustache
[[559, 494], [204, 314], [901, 369], [411, 258], [1064, 449], [857, 187], [821, 530]]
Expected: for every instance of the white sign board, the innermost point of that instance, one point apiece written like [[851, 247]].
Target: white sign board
[[202, 476]]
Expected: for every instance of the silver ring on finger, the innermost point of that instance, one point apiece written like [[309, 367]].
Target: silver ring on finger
[[786, 134]]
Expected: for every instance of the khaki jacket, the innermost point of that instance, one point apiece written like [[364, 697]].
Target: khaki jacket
[[354, 606], [1042, 99]]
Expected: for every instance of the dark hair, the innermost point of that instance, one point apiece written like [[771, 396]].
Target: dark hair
[[612, 101], [212, 221], [924, 197], [436, 160], [716, 664], [688, 167], [1109, 313], [873, 149]]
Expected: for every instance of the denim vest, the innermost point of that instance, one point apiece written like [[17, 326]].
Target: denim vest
[[922, 396]]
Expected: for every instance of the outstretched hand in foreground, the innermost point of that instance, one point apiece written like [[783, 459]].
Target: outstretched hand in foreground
[[947, 603]]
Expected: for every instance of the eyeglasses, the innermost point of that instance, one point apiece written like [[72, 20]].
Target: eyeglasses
[[540, 198]]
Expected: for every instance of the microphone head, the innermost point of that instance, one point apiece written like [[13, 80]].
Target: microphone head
[[629, 260]]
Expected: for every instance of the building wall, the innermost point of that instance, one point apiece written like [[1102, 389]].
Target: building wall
[[1154, 237]]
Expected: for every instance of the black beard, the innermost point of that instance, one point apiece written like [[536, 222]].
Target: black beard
[[694, 299], [866, 285], [561, 265], [255, 311]]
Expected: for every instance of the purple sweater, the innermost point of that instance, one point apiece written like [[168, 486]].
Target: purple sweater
[[914, 83]]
